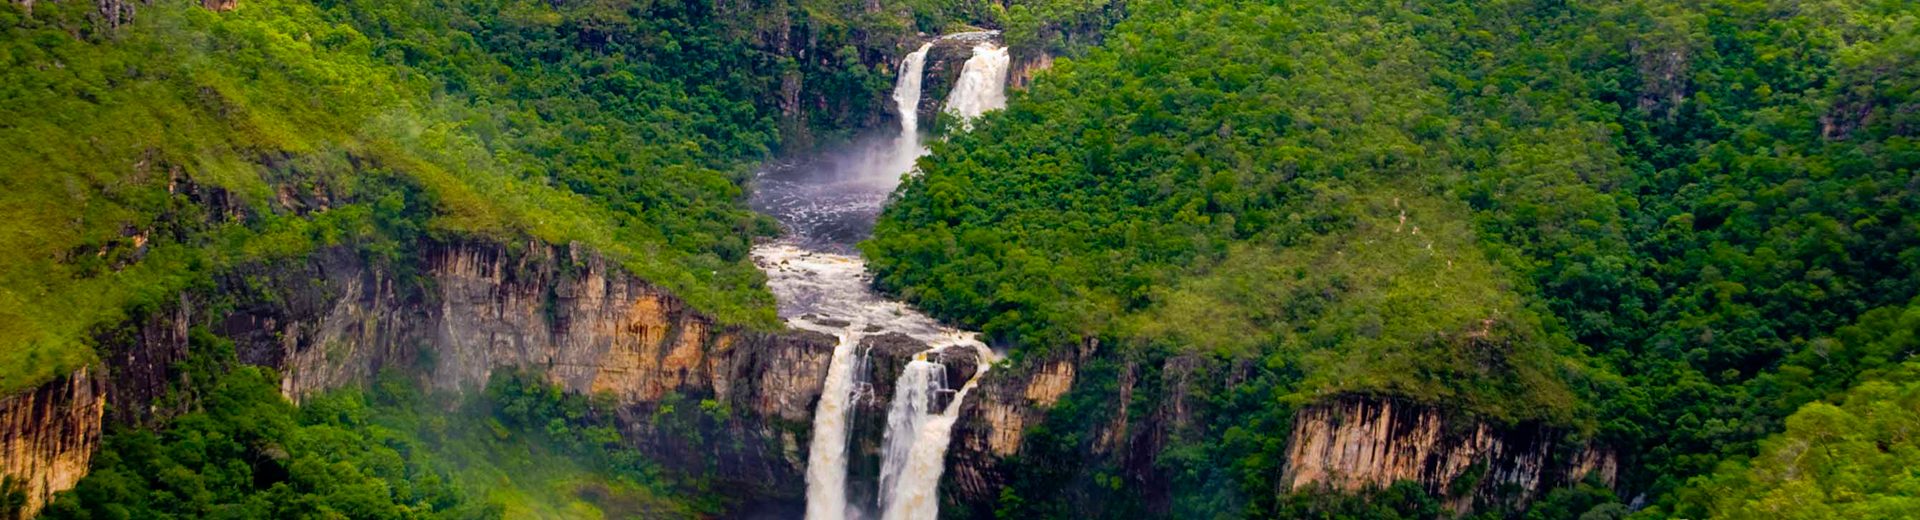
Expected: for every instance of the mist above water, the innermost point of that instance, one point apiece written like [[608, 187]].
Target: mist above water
[[828, 203]]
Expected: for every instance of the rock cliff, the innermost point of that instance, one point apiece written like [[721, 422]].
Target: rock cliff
[[47, 437], [1026, 65], [994, 420], [1344, 444], [1353, 443], [464, 311]]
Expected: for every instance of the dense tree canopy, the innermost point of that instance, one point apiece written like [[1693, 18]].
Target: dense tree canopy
[[1671, 223]]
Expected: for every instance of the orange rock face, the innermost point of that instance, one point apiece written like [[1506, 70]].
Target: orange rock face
[[47, 436]]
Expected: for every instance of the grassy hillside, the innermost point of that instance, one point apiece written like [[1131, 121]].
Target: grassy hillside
[[146, 154]]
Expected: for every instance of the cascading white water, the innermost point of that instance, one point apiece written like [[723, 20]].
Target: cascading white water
[[982, 85], [820, 288], [913, 495], [827, 454], [912, 405], [916, 436], [906, 98]]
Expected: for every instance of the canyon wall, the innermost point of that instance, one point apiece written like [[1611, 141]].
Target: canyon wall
[[1344, 444], [462, 312], [1352, 443], [994, 420], [591, 328], [47, 437]]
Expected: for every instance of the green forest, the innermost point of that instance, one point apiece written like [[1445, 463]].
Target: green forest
[[1682, 230], [1678, 227]]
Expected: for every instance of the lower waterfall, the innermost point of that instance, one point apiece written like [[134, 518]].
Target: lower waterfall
[[820, 284], [913, 397], [827, 453], [914, 493]]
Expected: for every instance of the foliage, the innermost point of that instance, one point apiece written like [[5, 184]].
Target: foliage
[[1054, 26], [250, 454], [1711, 200], [1402, 500], [1853, 458], [528, 402], [1282, 180], [389, 451], [144, 156], [521, 451]]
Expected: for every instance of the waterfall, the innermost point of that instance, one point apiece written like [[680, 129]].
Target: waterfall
[[827, 455], [913, 494], [920, 382], [982, 85], [906, 98], [820, 290]]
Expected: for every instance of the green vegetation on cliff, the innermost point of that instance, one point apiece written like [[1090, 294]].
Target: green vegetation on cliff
[[1666, 225], [1243, 180]]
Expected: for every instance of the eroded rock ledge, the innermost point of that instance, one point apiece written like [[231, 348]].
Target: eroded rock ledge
[[1345, 444]]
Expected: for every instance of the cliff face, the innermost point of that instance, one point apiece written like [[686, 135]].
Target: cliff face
[[462, 312], [994, 419], [1025, 66], [47, 438], [1354, 443], [1346, 444], [589, 326]]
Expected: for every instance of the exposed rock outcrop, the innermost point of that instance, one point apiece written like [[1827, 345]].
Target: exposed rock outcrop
[[1354, 443], [47, 437], [1346, 444], [589, 327], [994, 420], [1026, 65], [465, 311]]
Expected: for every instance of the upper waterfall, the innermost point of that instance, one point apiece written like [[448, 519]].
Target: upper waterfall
[[906, 99], [983, 83]]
